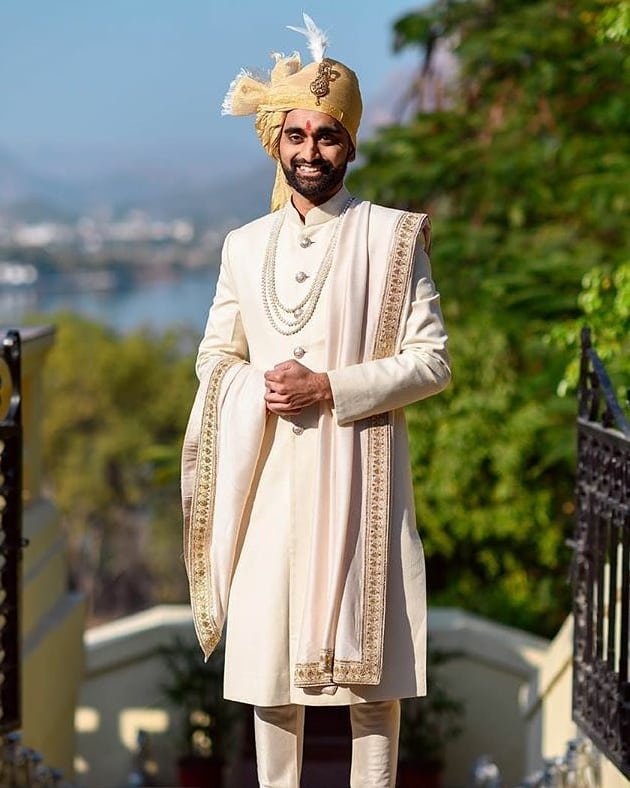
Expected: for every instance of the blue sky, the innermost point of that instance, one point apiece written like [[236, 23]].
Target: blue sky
[[125, 78]]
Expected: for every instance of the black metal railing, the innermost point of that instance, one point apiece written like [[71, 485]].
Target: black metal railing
[[10, 530], [601, 565]]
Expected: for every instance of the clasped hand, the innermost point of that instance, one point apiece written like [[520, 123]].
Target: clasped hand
[[291, 387]]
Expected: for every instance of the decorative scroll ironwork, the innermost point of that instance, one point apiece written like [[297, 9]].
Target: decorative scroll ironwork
[[601, 565], [10, 530]]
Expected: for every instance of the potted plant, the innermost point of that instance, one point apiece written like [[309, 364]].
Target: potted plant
[[426, 725], [208, 721]]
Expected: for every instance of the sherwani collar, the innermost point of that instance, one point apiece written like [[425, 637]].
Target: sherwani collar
[[328, 210]]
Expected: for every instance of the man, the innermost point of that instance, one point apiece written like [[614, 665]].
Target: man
[[296, 482]]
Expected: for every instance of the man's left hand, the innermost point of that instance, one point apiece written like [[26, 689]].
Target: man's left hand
[[291, 387]]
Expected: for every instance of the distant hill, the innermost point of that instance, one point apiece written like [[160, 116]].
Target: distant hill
[[164, 192], [31, 195]]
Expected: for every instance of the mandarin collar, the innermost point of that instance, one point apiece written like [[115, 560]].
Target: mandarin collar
[[319, 214]]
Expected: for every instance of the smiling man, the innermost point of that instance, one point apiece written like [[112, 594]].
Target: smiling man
[[314, 152], [297, 495]]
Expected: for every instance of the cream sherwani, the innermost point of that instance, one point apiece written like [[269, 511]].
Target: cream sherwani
[[268, 588]]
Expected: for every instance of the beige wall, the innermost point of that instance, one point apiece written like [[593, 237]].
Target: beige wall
[[121, 695], [489, 676], [52, 617], [516, 689]]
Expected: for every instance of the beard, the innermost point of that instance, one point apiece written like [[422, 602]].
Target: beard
[[314, 185]]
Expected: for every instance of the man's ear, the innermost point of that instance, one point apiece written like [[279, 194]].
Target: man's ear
[[353, 153]]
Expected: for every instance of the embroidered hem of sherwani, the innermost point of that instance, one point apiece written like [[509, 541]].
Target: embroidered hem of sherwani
[[341, 637]]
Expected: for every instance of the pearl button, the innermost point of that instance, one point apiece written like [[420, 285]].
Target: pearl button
[[298, 429], [305, 243], [299, 352], [300, 277]]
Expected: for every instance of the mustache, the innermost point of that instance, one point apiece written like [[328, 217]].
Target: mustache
[[324, 165]]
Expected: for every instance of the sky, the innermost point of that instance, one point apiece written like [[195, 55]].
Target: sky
[[107, 80]]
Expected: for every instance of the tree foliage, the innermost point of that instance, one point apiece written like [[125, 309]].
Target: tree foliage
[[523, 169], [116, 409]]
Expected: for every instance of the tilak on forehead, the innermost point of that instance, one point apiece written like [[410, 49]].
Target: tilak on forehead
[[324, 85]]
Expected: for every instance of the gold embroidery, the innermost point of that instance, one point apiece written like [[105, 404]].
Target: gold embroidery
[[398, 276], [203, 510], [320, 86], [368, 669], [315, 674]]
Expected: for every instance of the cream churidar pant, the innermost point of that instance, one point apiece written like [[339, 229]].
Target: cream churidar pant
[[279, 737]]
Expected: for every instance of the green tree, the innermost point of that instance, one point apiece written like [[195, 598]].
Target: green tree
[[116, 409], [523, 171]]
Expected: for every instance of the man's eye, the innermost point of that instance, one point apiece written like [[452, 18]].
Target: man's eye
[[295, 138]]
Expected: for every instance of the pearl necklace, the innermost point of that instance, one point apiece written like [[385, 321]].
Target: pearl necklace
[[288, 320]]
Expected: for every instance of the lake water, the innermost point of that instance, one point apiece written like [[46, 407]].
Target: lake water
[[182, 301]]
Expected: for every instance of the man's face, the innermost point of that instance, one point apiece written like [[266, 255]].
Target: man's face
[[314, 152]]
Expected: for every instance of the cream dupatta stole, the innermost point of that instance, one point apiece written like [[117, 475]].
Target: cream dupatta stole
[[341, 638]]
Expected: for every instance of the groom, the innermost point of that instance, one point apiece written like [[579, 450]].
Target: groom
[[298, 502]]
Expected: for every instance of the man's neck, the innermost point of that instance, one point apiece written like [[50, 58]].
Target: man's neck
[[304, 204]]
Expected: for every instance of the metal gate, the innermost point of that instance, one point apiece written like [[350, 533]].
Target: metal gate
[[10, 530], [601, 568]]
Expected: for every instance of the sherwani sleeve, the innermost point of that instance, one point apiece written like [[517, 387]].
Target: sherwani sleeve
[[224, 334], [420, 369]]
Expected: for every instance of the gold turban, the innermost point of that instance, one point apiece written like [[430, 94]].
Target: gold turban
[[324, 85]]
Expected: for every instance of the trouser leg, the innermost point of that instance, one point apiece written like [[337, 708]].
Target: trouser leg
[[279, 733], [375, 729]]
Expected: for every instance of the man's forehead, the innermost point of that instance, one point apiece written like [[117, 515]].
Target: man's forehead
[[307, 118]]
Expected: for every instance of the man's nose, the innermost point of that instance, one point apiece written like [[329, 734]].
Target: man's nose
[[310, 151]]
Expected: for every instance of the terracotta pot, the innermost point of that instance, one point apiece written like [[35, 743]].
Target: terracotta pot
[[197, 772], [412, 775]]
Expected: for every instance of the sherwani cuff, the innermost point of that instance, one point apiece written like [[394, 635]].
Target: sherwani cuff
[[363, 390]]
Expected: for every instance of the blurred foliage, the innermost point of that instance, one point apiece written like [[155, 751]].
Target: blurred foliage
[[523, 166], [116, 410], [614, 21], [605, 304]]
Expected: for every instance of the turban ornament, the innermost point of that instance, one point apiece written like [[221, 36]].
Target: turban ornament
[[325, 85]]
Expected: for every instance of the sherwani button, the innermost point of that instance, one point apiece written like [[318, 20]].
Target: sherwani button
[[298, 429], [305, 243], [299, 352], [300, 277]]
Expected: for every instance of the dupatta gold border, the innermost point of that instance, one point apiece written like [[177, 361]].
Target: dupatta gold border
[[368, 669], [202, 512]]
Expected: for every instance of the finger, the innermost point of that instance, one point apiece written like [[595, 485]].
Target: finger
[[280, 410], [278, 388], [274, 376], [274, 396]]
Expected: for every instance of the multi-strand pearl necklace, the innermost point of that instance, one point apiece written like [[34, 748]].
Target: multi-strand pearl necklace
[[285, 319]]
